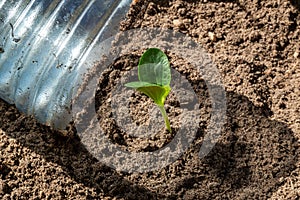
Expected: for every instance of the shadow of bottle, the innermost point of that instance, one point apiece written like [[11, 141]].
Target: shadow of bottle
[[69, 154]]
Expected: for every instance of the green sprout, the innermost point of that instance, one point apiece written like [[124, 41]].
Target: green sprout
[[154, 75]]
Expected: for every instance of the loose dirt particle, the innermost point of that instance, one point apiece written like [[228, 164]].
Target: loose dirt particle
[[178, 23], [212, 36]]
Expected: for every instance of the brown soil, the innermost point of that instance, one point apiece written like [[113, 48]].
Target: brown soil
[[255, 46]]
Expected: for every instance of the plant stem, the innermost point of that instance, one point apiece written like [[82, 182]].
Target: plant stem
[[164, 114]]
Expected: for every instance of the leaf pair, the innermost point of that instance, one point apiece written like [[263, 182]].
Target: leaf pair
[[154, 75]]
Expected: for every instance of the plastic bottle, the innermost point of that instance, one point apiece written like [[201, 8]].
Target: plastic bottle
[[44, 44]]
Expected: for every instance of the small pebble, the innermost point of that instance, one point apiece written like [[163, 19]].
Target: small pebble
[[182, 11], [178, 23], [296, 54], [212, 36]]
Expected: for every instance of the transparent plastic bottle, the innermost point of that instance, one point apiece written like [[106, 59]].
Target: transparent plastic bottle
[[44, 44]]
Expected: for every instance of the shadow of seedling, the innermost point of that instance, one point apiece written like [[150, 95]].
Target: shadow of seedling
[[69, 153], [253, 157]]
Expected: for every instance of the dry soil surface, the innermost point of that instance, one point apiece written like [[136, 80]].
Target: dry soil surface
[[255, 46]]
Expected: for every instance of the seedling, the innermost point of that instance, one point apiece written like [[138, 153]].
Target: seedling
[[154, 75]]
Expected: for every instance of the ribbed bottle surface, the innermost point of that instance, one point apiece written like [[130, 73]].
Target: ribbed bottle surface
[[43, 45]]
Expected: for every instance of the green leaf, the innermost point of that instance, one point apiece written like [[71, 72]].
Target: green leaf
[[157, 93], [154, 67]]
